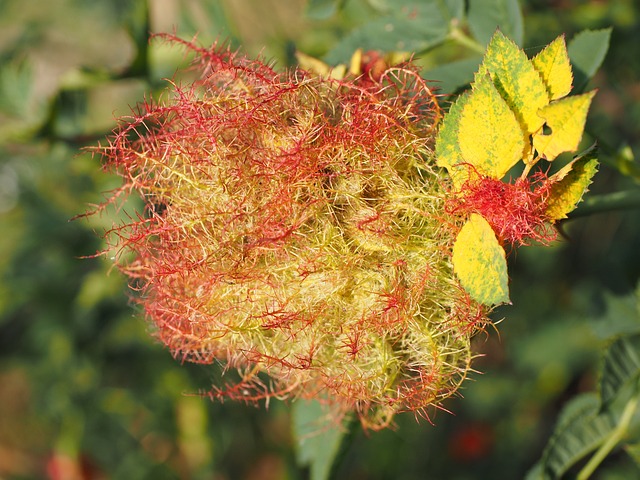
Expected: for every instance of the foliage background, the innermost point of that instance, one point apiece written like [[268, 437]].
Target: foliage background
[[85, 392]]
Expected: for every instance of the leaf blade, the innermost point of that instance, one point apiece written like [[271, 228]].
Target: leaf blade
[[566, 118], [570, 185], [518, 81], [587, 51], [485, 16], [554, 66], [621, 366], [490, 137], [448, 154], [317, 445], [480, 263], [580, 430]]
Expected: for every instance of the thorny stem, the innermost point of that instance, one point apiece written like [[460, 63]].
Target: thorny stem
[[614, 438]]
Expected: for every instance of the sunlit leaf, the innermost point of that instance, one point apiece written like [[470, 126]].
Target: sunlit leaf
[[621, 366], [490, 136], [447, 147], [518, 81], [571, 182], [554, 66], [587, 51], [311, 64], [317, 442], [566, 118], [480, 263], [485, 16]]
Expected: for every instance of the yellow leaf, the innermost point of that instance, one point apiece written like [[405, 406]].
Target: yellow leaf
[[448, 153], [555, 68], [519, 83], [480, 262], [566, 118], [311, 64], [355, 63], [570, 184], [490, 137]]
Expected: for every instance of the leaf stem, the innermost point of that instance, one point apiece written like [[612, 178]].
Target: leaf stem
[[614, 438], [456, 34]]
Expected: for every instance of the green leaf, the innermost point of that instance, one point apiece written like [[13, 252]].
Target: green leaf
[[633, 449], [579, 430], [448, 153], [587, 51], [450, 8], [410, 26], [22, 110], [555, 68], [317, 440], [535, 472], [622, 316], [570, 184], [621, 366], [322, 9], [485, 16], [452, 76], [566, 118], [480, 263], [489, 134], [455, 8], [519, 83]]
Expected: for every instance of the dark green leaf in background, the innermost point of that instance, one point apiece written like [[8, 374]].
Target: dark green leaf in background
[[580, 430], [621, 367], [452, 76], [318, 440], [321, 9], [408, 26], [587, 51], [485, 16], [634, 452]]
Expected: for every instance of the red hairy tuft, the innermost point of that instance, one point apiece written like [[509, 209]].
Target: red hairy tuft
[[516, 211]]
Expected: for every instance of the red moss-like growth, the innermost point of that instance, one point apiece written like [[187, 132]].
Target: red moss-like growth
[[295, 230], [516, 211]]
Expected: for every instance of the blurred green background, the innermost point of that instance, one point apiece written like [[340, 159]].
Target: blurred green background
[[86, 392]]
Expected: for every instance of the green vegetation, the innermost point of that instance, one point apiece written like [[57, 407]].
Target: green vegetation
[[87, 392]]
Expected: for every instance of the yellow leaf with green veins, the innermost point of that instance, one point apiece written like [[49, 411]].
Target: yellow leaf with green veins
[[566, 118], [447, 148], [519, 83], [555, 68], [570, 184], [490, 137], [480, 262]]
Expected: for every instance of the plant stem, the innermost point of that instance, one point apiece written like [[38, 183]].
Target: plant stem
[[457, 35], [608, 202], [614, 438]]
